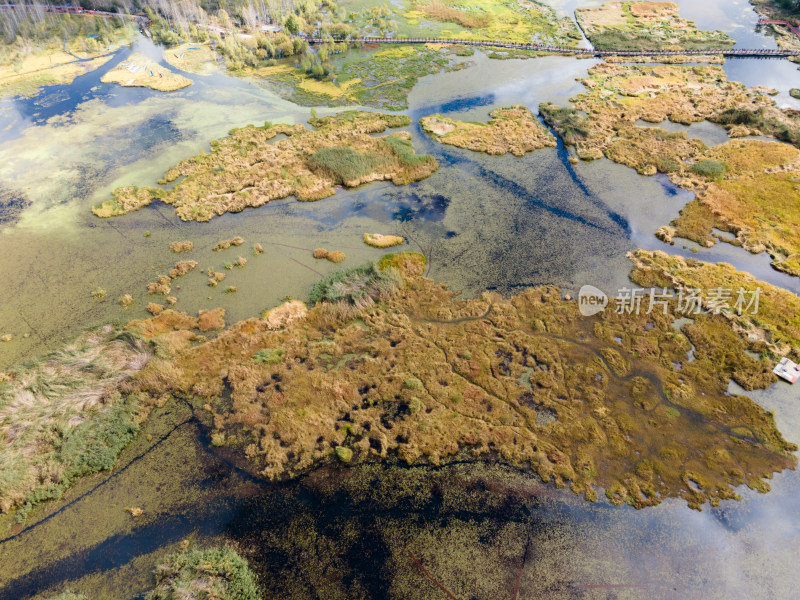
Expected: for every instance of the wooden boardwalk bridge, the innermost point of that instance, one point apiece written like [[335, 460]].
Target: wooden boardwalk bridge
[[726, 52]]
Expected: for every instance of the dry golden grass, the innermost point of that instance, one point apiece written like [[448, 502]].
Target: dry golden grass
[[379, 240], [179, 247], [442, 12], [225, 244]]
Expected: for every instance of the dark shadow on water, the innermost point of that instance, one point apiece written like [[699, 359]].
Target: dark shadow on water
[[456, 105]]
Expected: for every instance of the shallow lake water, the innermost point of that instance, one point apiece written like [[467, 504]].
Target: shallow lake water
[[485, 223]]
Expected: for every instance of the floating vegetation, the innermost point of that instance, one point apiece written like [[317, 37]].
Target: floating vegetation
[[215, 277], [125, 301], [225, 244], [584, 401], [98, 294], [182, 268], [512, 129], [258, 249], [240, 262], [178, 247], [192, 58], [378, 240], [335, 256], [631, 25], [308, 164], [744, 187], [231, 289], [162, 286], [141, 71], [155, 309]]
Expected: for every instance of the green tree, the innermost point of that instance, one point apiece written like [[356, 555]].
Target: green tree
[[291, 24]]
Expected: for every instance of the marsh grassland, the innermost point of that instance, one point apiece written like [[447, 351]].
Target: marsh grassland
[[388, 364], [625, 25], [244, 170], [512, 129], [745, 187]]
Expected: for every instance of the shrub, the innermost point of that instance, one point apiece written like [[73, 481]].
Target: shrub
[[269, 356], [713, 169]]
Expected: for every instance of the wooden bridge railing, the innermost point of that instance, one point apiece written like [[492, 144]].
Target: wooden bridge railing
[[728, 52]]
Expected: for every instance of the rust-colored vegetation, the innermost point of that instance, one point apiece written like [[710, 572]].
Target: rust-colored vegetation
[[389, 364]]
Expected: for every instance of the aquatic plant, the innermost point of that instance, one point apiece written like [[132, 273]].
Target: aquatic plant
[[178, 247], [571, 400], [627, 26], [182, 268], [269, 356], [570, 124], [194, 573], [141, 71], [336, 256], [125, 300], [712, 169], [98, 294], [159, 287], [258, 249], [774, 331], [345, 165], [225, 244]]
